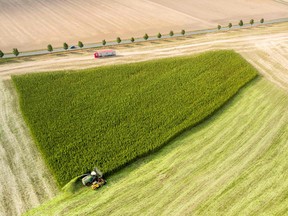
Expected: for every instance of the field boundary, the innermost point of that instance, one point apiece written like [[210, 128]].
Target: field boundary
[[151, 38]]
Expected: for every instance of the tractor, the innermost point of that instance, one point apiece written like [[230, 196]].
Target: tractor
[[94, 179]]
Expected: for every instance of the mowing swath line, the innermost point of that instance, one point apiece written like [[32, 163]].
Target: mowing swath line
[[224, 170]]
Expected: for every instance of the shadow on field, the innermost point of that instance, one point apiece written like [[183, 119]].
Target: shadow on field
[[154, 42], [180, 38], [61, 54], [128, 46], [76, 53], [28, 59]]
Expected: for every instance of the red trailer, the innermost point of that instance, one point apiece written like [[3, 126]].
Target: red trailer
[[104, 53]]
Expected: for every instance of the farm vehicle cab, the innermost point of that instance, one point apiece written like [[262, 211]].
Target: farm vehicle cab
[[94, 179]]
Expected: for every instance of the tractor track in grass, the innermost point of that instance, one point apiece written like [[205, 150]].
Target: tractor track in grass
[[25, 181]]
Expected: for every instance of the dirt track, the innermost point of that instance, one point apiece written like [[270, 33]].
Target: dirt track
[[30, 25], [24, 181], [264, 47]]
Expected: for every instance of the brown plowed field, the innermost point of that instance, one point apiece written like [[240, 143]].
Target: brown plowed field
[[30, 25]]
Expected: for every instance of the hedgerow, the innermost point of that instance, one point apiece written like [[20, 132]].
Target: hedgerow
[[109, 116]]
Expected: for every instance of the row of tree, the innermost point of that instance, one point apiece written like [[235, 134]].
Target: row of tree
[[241, 23], [118, 39], [146, 37]]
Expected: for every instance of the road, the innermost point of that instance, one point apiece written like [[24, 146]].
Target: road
[[152, 38]]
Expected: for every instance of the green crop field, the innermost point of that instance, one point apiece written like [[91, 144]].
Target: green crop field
[[110, 116], [235, 163]]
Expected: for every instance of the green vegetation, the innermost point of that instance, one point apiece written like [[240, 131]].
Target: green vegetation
[[146, 36], [132, 39], [104, 42], [219, 27], [159, 35], [110, 116], [80, 44], [235, 163], [251, 22], [65, 46], [118, 39], [49, 48], [183, 32], [171, 33], [230, 25], [1, 54], [15, 52], [262, 21], [241, 23]]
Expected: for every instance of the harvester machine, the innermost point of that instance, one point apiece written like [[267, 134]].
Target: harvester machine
[[94, 179]]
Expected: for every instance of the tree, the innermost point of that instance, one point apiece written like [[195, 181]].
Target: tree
[[230, 25], [1, 54], [159, 35], [183, 32], [15, 52], [104, 42], [65, 46], [262, 21], [146, 36], [50, 48], [251, 22], [241, 23], [171, 33], [132, 39], [219, 27], [118, 39], [80, 44]]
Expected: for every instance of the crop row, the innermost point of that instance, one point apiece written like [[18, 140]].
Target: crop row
[[110, 116]]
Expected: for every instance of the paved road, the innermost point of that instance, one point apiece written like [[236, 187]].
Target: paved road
[[152, 38]]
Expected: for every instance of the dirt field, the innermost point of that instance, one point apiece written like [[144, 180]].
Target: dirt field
[[30, 25]]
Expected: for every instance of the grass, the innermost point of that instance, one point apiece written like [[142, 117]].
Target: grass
[[110, 116], [7, 60], [235, 163]]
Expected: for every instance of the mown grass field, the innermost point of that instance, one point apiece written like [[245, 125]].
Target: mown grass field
[[235, 163], [110, 116]]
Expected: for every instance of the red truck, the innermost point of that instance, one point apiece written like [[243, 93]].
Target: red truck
[[104, 53]]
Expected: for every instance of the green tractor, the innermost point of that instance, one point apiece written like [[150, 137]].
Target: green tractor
[[94, 179]]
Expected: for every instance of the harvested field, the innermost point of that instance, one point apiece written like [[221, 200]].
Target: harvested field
[[30, 25], [25, 182], [233, 164]]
